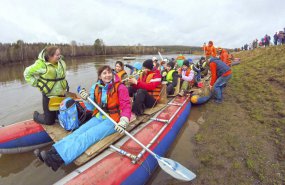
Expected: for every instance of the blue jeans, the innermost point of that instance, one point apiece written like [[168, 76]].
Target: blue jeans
[[73, 145], [219, 85]]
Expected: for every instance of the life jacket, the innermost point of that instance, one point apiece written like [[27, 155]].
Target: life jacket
[[121, 74], [225, 57], [169, 77], [221, 67], [187, 74], [112, 108], [210, 51], [155, 92], [53, 75], [180, 57]]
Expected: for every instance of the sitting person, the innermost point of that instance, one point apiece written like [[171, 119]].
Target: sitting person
[[204, 68], [155, 63], [171, 78], [136, 69], [163, 64], [146, 90], [187, 76], [112, 97], [119, 70]]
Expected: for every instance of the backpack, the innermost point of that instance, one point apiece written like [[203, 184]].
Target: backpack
[[71, 114]]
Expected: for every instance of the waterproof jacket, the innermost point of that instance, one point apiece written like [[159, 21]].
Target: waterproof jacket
[[218, 68], [172, 77], [121, 92], [188, 75], [122, 75], [225, 57], [150, 82], [48, 77], [210, 51]]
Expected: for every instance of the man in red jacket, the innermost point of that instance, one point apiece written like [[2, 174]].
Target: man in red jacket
[[221, 73], [146, 90]]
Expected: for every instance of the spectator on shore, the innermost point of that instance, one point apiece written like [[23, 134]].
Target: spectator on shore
[[275, 38]]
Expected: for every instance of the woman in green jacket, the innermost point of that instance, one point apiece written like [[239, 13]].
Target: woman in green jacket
[[48, 75]]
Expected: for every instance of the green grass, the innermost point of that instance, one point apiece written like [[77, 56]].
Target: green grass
[[245, 136]]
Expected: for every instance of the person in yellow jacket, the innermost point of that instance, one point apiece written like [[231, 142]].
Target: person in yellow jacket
[[171, 77], [48, 75]]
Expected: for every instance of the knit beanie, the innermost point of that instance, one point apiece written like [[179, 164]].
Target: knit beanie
[[171, 64], [186, 63], [148, 64]]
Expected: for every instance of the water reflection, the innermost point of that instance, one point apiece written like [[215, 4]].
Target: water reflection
[[19, 100]]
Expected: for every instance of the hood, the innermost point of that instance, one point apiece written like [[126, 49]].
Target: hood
[[41, 55]]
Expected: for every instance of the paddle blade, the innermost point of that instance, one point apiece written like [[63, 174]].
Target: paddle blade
[[175, 169]]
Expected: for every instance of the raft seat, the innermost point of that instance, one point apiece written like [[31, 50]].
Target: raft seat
[[56, 132]]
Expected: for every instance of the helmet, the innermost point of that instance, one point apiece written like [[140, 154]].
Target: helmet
[[219, 48], [138, 65], [190, 60]]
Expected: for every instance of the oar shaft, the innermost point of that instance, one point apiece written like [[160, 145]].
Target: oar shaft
[[160, 56], [115, 123]]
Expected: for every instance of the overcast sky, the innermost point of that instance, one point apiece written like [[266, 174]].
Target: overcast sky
[[229, 23]]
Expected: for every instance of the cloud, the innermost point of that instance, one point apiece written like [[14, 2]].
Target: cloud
[[228, 23]]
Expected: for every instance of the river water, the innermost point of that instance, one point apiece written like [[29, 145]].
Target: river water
[[19, 100]]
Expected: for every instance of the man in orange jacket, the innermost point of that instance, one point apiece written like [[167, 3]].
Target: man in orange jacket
[[221, 73], [224, 56], [210, 50]]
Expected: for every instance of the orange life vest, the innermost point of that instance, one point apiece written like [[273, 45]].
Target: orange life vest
[[155, 92], [187, 74], [181, 57], [112, 107], [121, 74]]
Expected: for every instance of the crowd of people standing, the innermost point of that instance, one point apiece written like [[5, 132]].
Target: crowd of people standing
[[278, 39]]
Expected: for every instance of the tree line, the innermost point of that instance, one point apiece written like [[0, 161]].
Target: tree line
[[21, 51]]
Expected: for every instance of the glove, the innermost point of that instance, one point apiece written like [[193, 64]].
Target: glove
[[122, 125], [164, 73], [83, 94]]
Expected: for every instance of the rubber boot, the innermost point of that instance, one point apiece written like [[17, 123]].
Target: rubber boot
[[37, 154], [52, 159], [39, 118]]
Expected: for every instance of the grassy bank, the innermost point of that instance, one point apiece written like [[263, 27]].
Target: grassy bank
[[242, 141]]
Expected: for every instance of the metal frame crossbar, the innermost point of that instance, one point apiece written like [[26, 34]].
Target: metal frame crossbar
[[161, 130]]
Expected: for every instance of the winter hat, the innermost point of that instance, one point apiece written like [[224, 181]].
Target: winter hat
[[154, 58], [171, 64], [186, 63], [148, 64]]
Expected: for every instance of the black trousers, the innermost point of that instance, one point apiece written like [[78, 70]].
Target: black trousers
[[49, 116], [142, 100], [170, 89]]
